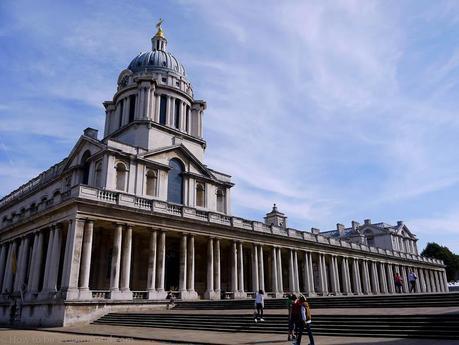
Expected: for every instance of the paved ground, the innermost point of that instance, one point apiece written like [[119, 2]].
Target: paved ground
[[102, 334]]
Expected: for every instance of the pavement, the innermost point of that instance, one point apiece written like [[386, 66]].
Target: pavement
[[103, 334]]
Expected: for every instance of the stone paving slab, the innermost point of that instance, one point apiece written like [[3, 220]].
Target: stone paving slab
[[168, 336]]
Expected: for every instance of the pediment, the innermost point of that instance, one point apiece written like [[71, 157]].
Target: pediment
[[83, 144]]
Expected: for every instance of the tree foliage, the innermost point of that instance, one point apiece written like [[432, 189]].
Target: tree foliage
[[451, 260]]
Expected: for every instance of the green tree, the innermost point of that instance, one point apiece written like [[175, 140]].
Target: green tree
[[434, 250]]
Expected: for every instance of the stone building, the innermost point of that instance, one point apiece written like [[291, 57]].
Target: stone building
[[124, 219]]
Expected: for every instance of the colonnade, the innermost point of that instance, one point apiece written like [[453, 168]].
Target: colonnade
[[58, 260]]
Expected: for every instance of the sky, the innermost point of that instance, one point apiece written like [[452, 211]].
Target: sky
[[334, 110]]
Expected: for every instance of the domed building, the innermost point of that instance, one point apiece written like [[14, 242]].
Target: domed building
[[124, 219]]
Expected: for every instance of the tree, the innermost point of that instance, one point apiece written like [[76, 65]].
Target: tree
[[434, 250]]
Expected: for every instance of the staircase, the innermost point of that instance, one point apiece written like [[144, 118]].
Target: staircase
[[413, 326], [381, 301]]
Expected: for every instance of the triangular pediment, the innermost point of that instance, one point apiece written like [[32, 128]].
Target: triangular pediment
[[84, 143]]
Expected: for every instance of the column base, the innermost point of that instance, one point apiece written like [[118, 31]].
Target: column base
[[157, 295], [85, 294], [120, 295], [239, 294], [50, 294], [188, 295], [212, 295], [278, 294]]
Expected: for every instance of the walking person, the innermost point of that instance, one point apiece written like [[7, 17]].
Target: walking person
[[398, 283], [291, 299], [303, 320], [412, 277], [171, 299], [259, 305]]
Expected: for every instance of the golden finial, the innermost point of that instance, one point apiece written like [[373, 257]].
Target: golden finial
[[160, 31]]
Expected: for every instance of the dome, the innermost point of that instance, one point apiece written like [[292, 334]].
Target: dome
[[157, 60]]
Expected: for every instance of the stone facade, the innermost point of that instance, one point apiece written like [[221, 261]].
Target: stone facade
[[123, 220]]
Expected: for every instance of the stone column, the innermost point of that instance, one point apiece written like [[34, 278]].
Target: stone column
[[8, 276], [191, 293], [445, 280], [116, 263], [183, 265], [274, 271], [427, 280], [55, 259], [374, 278], [261, 268], [366, 278], [161, 294], [405, 279], [390, 275], [291, 272], [345, 276], [35, 270], [422, 281], [418, 283], [356, 280], [210, 269], [323, 286], [3, 256], [85, 293], [383, 278], [279, 271], [241, 269], [217, 269], [49, 251], [334, 275], [308, 275], [295, 270], [19, 267], [151, 282], [71, 265], [234, 269], [437, 281], [126, 264]]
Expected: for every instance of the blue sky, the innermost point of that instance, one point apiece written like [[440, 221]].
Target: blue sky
[[334, 110]]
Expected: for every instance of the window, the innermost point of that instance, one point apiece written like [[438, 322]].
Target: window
[[177, 114], [220, 201], [175, 182], [121, 174], [85, 167], [132, 99], [187, 119], [121, 109], [98, 175], [162, 110], [200, 195], [370, 238], [151, 182]]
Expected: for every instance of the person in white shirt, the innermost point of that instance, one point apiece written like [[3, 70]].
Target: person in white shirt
[[412, 280], [259, 305]]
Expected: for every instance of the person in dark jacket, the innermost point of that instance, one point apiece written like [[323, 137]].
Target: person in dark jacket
[[303, 320]]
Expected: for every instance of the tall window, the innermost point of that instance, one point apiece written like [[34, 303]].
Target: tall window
[[162, 109], [370, 238], [175, 182], [132, 99], [151, 182], [85, 167], [121, 110], [121, 174], [177, 114], [200, 195], [98, 174], [220, 201], [187, 119]]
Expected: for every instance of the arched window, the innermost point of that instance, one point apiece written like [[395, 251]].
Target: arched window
[[132, 100], [151, 182], [121, 174], [85, 167], [175, 182], [98, 174], [220, 201], [200, 195], [370, 238], [177, 114]]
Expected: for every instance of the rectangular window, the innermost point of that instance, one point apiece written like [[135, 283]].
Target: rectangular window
[[177, 114], [187, 119], [121, 107], [162, 110], [132, 99]]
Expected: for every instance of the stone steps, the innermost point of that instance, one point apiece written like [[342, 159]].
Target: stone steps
[[380, 301], [416, 326]]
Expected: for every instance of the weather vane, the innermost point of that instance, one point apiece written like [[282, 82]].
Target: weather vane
[[158, 25]]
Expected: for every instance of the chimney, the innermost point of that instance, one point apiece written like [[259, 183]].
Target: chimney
[[367, 221], [91, 132], [355, 225], [315, 231], [340, 228], [400, 222]]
